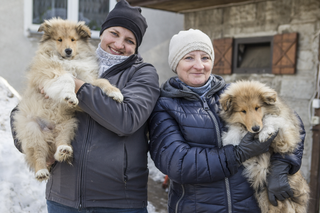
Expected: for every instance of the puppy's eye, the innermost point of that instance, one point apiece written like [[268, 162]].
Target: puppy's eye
[[60, 39], [256, 108], [72, 39], [243, 111]]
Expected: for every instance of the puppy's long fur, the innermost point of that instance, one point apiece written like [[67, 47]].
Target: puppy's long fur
[[46, 127], [254, 107]]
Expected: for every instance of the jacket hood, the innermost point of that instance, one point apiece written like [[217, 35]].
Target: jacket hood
[[174, 89]]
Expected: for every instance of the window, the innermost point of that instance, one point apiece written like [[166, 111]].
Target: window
[[269, 54], [92, 12], [253, 55]]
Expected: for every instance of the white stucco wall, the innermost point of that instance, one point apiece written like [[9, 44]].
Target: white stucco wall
[[16, 50], [155, 47]]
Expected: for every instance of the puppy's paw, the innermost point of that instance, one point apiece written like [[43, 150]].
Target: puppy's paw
[[71, 99], [117, 96], [63, 153], [113, 92], [266, 133], [42, 174]]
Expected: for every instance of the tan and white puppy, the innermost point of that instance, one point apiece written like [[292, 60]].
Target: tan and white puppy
[[254, 107], [45, 127]]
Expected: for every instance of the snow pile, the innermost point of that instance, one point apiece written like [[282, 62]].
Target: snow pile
[[19, 191]]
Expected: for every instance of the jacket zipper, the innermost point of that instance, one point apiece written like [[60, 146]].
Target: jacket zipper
[[227, 183], [228, 195], [82, 159], [177, 205]]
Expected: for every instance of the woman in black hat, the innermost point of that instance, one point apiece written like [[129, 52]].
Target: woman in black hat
[[109, 171]]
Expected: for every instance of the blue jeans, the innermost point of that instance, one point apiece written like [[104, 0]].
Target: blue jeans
[[54, 207]]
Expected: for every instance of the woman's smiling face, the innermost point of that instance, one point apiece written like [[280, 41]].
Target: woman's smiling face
[[118, 41], [194, 68]]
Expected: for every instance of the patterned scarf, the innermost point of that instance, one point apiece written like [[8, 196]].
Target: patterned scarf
[[107, 60], [201, 91]]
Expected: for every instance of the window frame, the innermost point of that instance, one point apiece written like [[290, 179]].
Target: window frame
[[72, 14], [251, 40]]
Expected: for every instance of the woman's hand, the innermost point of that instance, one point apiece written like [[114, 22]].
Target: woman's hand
[[50, 161], [250, 147], [78, 83], [277, 182]]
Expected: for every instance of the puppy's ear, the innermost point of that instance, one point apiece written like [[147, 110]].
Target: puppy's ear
[[269, 97], [83, 30], [226, 102], [45, 27]]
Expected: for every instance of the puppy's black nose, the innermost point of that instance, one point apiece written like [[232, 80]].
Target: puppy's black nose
[[255, 128], [68, 51]]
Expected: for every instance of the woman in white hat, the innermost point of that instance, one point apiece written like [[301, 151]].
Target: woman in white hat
[[185, 138]]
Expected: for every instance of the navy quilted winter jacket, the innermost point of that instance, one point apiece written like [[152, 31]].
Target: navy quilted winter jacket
[[185, 144]]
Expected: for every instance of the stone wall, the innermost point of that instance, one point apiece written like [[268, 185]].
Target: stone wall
[[268, 18]]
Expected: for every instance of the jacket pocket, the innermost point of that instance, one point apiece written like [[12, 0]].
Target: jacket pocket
[[125, 165]]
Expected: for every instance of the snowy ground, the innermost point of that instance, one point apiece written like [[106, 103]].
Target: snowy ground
[[19, 191]]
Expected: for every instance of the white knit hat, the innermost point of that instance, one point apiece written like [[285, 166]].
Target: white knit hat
[[187, 41]]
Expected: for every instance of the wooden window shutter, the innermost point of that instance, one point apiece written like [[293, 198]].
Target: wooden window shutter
[[284, 53], [223, 56]]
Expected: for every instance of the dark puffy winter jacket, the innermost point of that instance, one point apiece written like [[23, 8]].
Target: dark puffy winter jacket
[[110, 147], [185, 144]]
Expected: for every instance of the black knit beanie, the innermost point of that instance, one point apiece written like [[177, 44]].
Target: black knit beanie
[[124, 15]]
